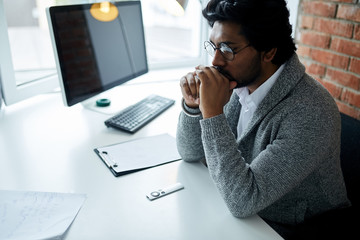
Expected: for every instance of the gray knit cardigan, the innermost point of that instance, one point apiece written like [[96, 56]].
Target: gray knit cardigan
[[285, 166]]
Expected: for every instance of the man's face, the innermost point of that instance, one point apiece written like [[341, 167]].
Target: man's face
[[245, 68]]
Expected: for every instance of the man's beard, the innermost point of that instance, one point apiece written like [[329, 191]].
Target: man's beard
[[239, 84]]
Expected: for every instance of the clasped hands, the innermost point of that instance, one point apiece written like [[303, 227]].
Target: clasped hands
[[206, 88]]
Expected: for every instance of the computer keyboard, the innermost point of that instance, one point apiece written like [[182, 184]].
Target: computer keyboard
[[138, 115]]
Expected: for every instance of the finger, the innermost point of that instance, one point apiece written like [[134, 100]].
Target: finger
[[184, 86], [233, 85], [199, 66], [192, 82], [205, 72], [188, 86], [198, 82], [225, 74], [220, 74]]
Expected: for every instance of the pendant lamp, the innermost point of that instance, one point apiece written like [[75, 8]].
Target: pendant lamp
[[104, 11]]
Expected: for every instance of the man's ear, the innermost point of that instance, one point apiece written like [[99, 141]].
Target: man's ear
[[269, 55]]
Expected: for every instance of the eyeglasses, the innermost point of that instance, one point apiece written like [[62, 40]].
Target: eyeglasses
[[227, 52]]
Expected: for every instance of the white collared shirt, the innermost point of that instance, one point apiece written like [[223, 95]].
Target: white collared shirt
[[250, 102]]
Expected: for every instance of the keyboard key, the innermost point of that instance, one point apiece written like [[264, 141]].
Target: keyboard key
[[138, 115]]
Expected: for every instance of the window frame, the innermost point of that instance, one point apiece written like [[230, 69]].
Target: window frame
[[12, 92]]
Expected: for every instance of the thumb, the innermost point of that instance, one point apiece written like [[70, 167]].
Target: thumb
[[232, 85]]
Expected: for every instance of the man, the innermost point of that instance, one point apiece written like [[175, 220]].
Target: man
[[270, 133]]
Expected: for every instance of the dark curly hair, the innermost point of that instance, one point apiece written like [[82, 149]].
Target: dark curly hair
[[265, 23]]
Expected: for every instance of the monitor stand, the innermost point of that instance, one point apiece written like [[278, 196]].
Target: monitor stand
[[98, 104]]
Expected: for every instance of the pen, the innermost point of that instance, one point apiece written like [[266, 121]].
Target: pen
[[113, 165]]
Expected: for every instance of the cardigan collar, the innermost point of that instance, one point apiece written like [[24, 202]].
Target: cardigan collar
[[292, 73]]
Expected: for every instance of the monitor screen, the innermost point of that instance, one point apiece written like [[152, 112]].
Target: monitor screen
[[94, 55]]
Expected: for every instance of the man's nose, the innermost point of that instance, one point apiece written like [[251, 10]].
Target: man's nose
[[218, 59]]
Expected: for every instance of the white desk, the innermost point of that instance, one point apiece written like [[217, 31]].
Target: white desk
[[45, 146]]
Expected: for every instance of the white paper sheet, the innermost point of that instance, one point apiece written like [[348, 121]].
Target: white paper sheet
[[37, 215]]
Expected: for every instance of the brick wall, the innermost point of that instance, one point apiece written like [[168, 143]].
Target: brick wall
[[328, 40]]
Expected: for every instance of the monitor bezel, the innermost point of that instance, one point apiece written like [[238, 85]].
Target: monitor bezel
[[67, 99]]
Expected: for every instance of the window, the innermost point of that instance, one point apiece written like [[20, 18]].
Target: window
[[23, 70], [293, 9], [173, 40], [27, 65]]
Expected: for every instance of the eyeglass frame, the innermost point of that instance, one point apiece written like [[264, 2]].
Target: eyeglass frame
[[222, 45]]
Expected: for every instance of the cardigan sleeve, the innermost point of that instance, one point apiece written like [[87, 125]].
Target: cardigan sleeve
[[299, 147], [188, 138]]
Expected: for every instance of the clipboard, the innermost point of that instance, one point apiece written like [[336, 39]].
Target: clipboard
[[139, 154]]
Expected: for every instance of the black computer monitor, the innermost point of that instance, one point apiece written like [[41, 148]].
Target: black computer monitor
[[94, 55]]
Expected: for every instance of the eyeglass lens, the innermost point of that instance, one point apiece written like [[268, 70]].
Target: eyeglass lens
[[225, 50]]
